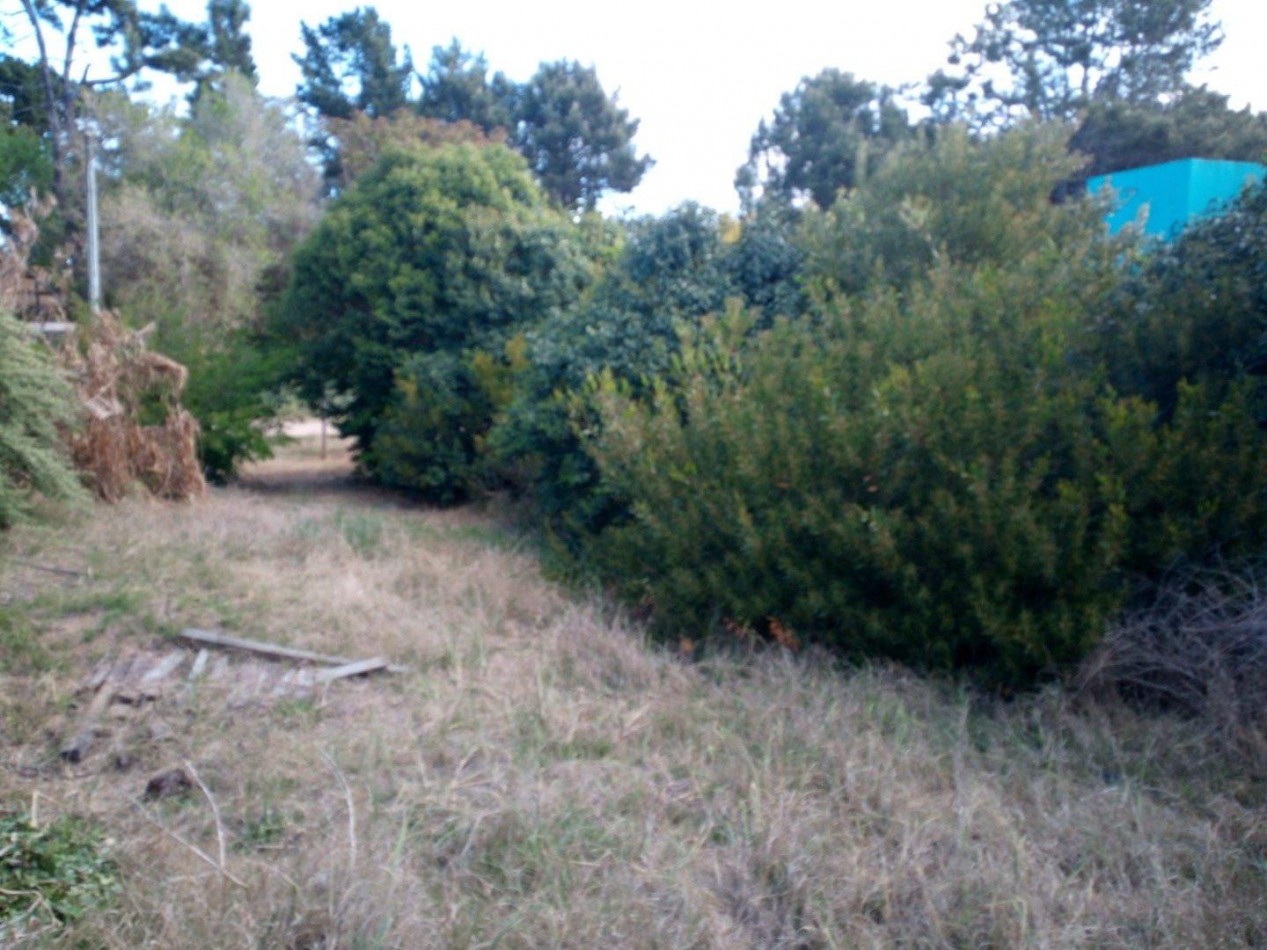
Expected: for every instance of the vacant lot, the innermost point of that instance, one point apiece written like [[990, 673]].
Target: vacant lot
[[540, 776]]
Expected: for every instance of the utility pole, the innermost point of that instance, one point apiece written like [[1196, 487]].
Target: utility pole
[[94, 243]]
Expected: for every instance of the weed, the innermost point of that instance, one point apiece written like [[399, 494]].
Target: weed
[[20, 648], [51, 874]]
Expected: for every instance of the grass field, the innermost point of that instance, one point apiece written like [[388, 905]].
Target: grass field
[[541, 776]]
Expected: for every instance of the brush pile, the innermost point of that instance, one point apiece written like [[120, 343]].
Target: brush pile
[[135, 428]]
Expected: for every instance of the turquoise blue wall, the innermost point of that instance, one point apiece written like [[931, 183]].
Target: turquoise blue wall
[[1173, 194]]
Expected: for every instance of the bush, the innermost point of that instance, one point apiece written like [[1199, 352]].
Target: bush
[[958, 507], [432, 254], [671, 271], [936, 468]]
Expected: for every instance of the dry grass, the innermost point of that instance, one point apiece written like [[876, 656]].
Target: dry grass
[[544, 778]]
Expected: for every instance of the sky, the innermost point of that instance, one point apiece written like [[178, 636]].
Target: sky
[[700, 74]]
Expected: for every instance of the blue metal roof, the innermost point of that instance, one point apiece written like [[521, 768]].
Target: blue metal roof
[[1166, 197]]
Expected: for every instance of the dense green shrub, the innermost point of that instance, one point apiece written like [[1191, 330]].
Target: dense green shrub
[[929, 481], [946, 199], [937, 467], [445, 250], [1195, 309], [35, 400], [670, 272]]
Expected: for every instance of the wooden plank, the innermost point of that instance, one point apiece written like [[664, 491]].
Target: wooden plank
[[358, 668], [100, 673], [200, 664], [164, 669], [272, 650], [81, 741], [211, 638]]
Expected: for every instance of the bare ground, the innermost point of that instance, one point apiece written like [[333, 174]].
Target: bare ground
[[543, 777]]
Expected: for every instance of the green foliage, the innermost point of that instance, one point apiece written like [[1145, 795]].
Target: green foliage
[[58, 870], [229, 45], [926, 479], [1056, 56], [974, 449], [233, 388], [766, 262], [1195, 310], [434, 254], [950, 200], [1118, 134], [35, 400], [433, 437], [577, 140], [1188, 333], [456, 88], [25, 166], [350, 64], [201, 214], [670, 272], [826, 136]]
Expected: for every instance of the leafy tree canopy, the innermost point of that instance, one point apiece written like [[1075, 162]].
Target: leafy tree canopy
[[576, 138], [434, 250], [457, 88], [229, 46], [827, 134], [1048, 59], [1117, 134], [350, 64]]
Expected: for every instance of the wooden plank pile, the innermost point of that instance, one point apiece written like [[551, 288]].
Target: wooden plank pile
[[124, 687]]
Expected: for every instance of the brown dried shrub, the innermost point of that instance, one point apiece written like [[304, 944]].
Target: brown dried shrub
[[1200, 649], [121, 385]]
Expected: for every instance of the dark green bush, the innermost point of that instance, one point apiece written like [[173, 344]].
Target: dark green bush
[[671, 271], [937, 467], [432, 255], [928, 481]]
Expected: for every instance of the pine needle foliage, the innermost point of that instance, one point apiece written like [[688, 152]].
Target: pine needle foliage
[[35, 402]]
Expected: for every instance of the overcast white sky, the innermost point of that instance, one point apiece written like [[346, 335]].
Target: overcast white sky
[[700, 74]]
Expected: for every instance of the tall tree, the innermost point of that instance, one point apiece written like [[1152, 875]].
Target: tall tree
[[576, 138], [351, 65], [827, 134], [1048, 59], [434, 252], [229, 44], [457, 88], [46, 94]]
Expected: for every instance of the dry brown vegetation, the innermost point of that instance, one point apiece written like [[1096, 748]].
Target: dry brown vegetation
[[543, 777]]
